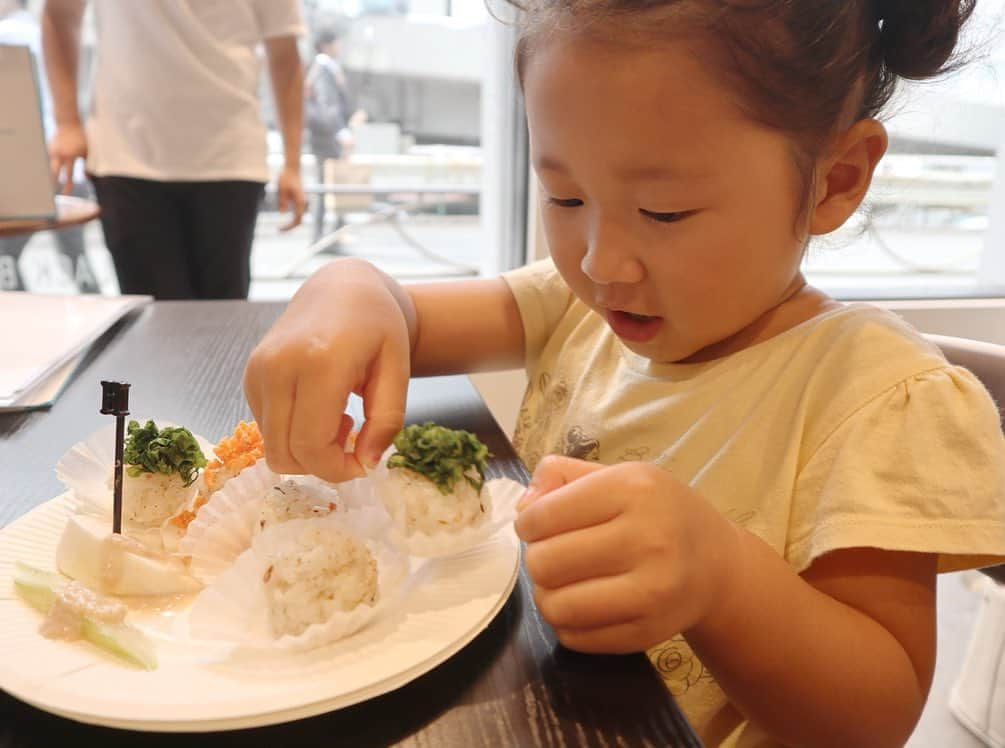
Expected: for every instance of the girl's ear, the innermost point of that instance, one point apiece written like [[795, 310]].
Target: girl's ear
[[845, 173]]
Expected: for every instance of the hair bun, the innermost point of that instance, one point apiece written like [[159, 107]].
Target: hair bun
[[918, 36]]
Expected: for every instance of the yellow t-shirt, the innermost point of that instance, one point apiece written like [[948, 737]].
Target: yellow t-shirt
[[847, 430]]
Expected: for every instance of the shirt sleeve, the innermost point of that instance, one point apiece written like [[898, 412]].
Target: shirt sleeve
[[920, 467], [542, 298], [279, 18]]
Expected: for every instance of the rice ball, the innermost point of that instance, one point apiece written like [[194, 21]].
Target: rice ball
[[293, 500], [151, 498], [326, 571], [422, 507]]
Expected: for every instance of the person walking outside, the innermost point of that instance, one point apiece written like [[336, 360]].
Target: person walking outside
[[331, 117]]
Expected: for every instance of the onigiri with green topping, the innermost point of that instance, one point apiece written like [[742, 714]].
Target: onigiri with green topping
[[161, 468], [436, 478]]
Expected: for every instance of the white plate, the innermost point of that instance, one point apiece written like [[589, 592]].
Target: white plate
[[457, 597]]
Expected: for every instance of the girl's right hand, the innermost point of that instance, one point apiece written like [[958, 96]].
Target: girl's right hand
[[348, 329]]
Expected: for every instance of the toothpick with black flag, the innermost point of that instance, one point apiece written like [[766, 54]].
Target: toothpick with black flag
[[115, 402]]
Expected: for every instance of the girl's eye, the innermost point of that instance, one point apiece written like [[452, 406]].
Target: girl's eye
[[572, 202], [665, 217]]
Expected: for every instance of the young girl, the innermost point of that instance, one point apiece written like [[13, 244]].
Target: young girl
[[730, 469]]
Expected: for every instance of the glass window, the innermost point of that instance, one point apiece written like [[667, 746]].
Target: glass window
[[427, 181], [415, 184], [934, 224]]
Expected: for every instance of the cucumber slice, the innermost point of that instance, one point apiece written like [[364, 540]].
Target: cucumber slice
[[40, 588], [35, 577], [121, 640], [40, 598]]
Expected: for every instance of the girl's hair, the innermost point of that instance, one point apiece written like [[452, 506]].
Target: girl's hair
[[805, 68]]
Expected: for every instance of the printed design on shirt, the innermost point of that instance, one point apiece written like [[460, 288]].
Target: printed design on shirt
[[545, 400], [633, 454], [580, 445], [680, 669], [523, 423]]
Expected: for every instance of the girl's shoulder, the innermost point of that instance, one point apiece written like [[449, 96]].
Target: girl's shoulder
[[863, 339], [842, 356], [861, 357]]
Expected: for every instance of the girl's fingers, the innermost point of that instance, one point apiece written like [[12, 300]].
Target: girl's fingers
[[252, 394], [274, 415], [586, 495], [318, 427], [552, 472], [619, 638], [572, 557], [384, 396], [345, 428], [592, 604]]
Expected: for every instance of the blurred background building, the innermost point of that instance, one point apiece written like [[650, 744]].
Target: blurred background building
[[435, 77]]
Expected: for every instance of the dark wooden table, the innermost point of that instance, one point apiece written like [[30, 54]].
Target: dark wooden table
[[511, 686]]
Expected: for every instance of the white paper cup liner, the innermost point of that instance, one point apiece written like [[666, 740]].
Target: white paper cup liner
[[502, 496], [355, 494], [234, 608], [226, 525], [223, 526], [86, 467]]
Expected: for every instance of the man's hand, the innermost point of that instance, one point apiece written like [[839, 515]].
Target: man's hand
[[287, 75], [68, 144], [358, 118], [291, 196]]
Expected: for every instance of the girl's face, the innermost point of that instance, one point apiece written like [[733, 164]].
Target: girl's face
[[666, 210]]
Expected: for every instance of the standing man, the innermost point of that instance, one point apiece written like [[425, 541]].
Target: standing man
[[174, 140], [19, 27]]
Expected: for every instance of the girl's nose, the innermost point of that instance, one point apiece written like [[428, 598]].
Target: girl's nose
[[611, 257]]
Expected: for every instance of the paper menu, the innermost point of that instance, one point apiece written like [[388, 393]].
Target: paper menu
[[43, 394], [41, 334]]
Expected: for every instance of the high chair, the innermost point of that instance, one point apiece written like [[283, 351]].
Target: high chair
[[978, 697]]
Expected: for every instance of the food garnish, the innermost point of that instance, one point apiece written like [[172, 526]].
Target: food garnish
[[236, 452], [185, 517], [172, 449], [442, 455], [74, 611]]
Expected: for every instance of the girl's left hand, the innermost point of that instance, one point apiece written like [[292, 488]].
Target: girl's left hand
[[622, 556]]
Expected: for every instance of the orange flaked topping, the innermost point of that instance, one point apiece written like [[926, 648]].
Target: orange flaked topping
[[236, 452], [246, 441], [184, 518]]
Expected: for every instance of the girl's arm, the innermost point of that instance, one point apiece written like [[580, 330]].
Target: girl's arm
[[351, 328], [841, 655], [464, 326], [454, 327], [625, 556]]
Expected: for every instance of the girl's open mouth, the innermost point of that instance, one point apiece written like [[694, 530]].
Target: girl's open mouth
[[637, 328]]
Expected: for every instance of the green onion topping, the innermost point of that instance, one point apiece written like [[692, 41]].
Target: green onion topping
[[168, 450], [442, 455]]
